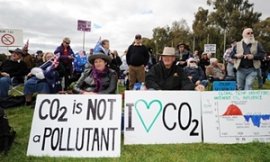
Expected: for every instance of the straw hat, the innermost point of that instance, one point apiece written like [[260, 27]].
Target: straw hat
[[168, 51]]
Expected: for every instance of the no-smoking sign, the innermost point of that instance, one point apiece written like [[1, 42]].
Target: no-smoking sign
[[11, 37], [7, 39]]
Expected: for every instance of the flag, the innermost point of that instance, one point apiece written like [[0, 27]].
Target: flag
[[96, 26], [25, 47], [97, 48]]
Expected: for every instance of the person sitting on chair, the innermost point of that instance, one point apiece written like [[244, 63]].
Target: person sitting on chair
[[45, 79], [12, 68], [215, 71], [195, 72], [166, 75]]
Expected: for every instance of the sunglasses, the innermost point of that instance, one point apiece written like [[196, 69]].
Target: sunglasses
[[66, 42], [249, 33]]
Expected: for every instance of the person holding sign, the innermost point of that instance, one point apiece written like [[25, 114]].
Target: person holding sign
[[166, 75], [99, 78]]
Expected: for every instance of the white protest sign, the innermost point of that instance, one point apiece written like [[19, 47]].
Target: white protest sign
[[210, 48], [76, 126], [11, 37], [83, 25], [236, 116], [162, 117]]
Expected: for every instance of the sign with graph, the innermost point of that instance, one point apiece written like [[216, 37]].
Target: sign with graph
[[236, 116]]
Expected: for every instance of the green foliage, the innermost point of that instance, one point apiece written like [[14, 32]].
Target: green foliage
[[161, 38], [3, 57], [262, 31], [179, 32], [20, 118], [232, 16], [227, 20]]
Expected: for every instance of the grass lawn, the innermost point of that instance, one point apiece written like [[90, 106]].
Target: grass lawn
[[21, 117]]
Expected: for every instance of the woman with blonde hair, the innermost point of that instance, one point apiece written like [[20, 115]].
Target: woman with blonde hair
[[45, 78]]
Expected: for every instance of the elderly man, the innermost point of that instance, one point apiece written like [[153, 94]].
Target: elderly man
[[248, 54], [13, 68], [183, 54], [167, 76]]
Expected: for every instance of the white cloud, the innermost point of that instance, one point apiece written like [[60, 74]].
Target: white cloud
[[45, 23]]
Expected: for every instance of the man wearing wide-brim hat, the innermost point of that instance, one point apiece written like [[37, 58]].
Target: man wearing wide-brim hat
[[183, 53], [13, 68], [167, 76]]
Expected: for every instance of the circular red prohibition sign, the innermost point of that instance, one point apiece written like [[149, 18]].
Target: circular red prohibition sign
[[7, 39]]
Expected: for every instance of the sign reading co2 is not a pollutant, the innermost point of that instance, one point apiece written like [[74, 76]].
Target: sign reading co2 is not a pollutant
[[76, 126], [162, 117]]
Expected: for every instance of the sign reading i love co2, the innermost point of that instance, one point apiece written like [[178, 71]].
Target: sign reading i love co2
[[161, 117]]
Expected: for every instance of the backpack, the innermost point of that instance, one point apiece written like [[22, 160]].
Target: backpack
[[11, 101], [7, 134]]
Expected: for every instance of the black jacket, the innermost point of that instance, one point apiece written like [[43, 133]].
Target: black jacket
[[160, 78], [87, 83], [137, 55], [14, 68]]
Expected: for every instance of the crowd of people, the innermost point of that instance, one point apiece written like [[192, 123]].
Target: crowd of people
[[175, 69]]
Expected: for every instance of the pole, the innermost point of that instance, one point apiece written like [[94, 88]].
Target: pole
[[193, 44], [83, 39], [224, 48]]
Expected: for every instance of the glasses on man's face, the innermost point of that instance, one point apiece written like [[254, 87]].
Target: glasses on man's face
[[193, 62], [66, 42], [249, 33]]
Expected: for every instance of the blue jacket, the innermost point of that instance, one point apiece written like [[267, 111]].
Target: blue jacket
[[63, 58], [195, 73], [79, 63]]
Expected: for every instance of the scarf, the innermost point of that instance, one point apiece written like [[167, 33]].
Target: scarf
[[97, 75]]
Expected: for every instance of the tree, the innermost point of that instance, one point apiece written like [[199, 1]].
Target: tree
[[170, 36], [200, 28], [180, 33], [160, 38], [206, 33], [262, 33], [149, 43], [233, 16]]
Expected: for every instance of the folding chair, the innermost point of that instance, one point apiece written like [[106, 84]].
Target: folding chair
[[16, 87]]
